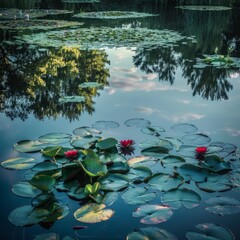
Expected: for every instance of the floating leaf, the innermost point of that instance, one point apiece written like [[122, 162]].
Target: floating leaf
[[210, 231], [86, 131], [223, 205], [137, 195], [27, 215], [107, 143], [155, 151], [72, 99], [90, 85], [104, 125], [43, 166], [189, 171], [52, 151], [139, 173], [153, 214], [196, 139], [140, 160], [153, 130], [112, 157], [93, 213], [226, 149], [43, 182], [156, 142], [172, 160], [55, 138], [151, 233], [114, 182], [165, 182], [176, 197], [94, 167], [84, 142], [25, 189], [29, 146], [20, 163], [47, 236], [216, 183], [120, 167], [137, 122], [185, 128]]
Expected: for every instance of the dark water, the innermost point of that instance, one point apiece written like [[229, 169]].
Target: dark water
[[158, 84]]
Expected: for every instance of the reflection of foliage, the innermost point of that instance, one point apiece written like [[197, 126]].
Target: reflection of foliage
[[162, 61], [37, 78]]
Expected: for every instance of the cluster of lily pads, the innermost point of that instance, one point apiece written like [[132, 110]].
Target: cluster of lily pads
[[218, 61], [97, 37], [95, 170], [204, 8], [34, 24], [113, 15]]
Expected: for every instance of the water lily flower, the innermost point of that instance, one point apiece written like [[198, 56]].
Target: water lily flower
[[201, 150], [126, 143], [71, 154]]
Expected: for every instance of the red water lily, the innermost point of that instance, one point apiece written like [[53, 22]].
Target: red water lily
[[126, 143], [201, 150], [71, 154]]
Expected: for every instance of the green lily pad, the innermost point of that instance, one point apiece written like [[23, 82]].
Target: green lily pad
[[172, 160], [196, 139], [104, 125], [204, 8], [184, 128], [189, 171], [153, 130], [155, 151], [226, 149], [153, 214], [72, 99], [216, 183], [90, 85], [216, 164], [210, 231], [84, 142], [114, 182], [53, 151], [151, 233], [93, 213], [177, 197], [94, 167], [29, 146], [43, 182], [25, 189], [140, 160], [139, 173], [55, 138], [165, 182], [138, 195], [86, 131], [43, 166], [223, 205], [118, 167], [156, 142], [111, 157], [27, 215], [110, 198], [20, 163], [137, 122], [107, 143]]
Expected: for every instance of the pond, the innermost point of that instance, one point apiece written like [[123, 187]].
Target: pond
[[168, 80]]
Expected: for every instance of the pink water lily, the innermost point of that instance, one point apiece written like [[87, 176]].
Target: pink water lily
[[126, 143], [71, 154]]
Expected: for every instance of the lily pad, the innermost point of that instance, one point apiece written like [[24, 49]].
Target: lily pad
[[210, 231], [137, 122], [151, 233], [226, 148], [216, 183], [155, 151], [177, 197], [153, 214], [156, 142], [172, 160], [223, 205], [184, 128], [43, 182], [204, 8], [43, 166], [72, 99], [138, 195], [140, 160], [27, 215], [139, 173], [103, 125], [25, 189], [20, 163], [94, 167], [90, 85], [93, 213], [165, 182], [55, 138], [29, 146], [86, 131], [107, 143], [153, 130], [84, 142], [196, 139]]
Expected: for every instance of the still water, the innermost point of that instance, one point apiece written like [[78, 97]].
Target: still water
[[159, 84]]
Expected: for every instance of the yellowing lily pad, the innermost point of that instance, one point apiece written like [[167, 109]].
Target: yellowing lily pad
[[20, 163], [93, 213]]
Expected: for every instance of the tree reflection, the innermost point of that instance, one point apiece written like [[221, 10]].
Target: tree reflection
[[34, 79], [209, 82]]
